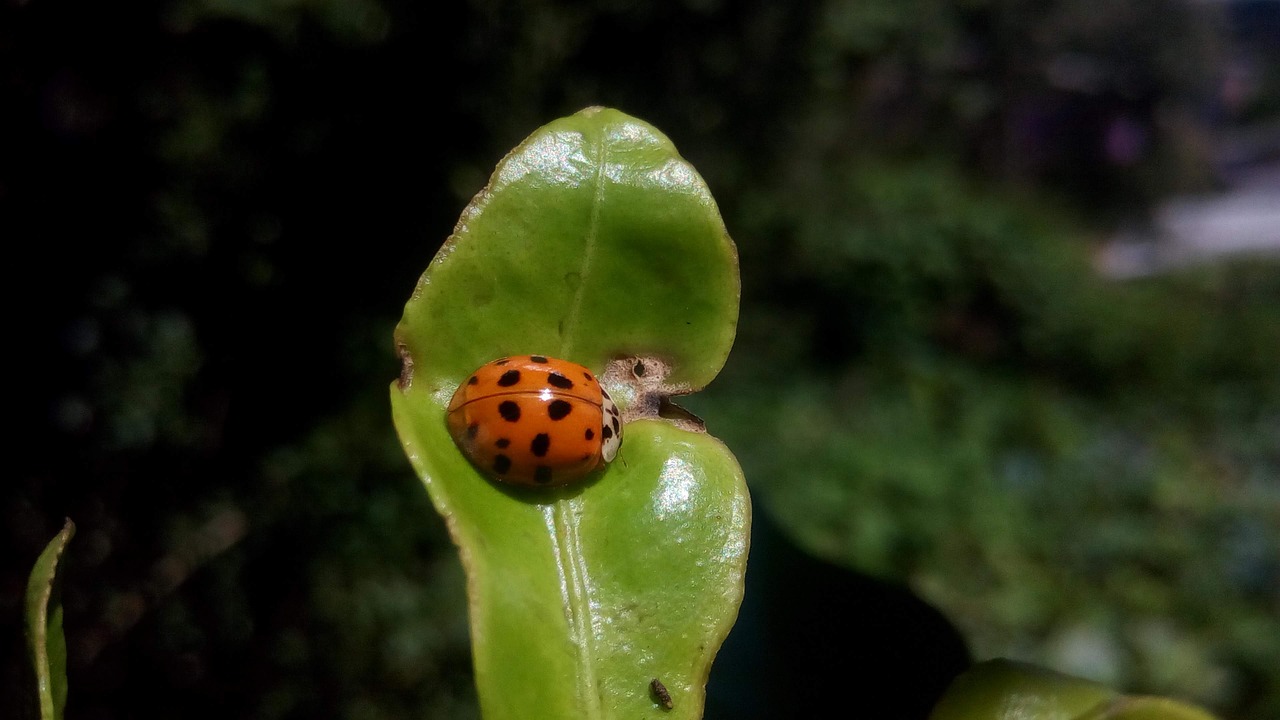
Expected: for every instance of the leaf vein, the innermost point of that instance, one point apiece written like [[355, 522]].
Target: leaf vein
[[589, 248], [574, 587]]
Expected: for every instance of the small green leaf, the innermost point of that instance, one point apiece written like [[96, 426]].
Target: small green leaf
[[597, 243], [1007, 690], [45, 640]]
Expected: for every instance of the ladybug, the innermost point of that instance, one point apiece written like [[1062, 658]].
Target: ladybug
[[535, 420]]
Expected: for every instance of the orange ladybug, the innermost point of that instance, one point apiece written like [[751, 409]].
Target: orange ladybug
[[535, 420]]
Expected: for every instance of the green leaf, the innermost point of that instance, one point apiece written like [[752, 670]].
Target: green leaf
[[594, 240], [597, 243], [45, 640], [1006, 690], [1147, 708]]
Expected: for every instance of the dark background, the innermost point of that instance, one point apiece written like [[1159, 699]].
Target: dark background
[[963, 439]]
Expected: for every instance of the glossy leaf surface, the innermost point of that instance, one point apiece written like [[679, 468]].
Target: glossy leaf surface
[[45, 640], [594, 241], [1148, 708], [1006, 690]]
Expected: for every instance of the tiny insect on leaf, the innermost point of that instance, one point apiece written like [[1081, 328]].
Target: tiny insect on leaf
[[660, 692]]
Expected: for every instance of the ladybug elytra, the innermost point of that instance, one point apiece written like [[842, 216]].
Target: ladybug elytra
[[535, 420]]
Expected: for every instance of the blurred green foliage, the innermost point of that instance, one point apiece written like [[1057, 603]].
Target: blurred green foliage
[[1078, 472], [219, 226]]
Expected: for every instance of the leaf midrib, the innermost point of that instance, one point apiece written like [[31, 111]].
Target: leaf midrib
[[571, 561], [588, 250]]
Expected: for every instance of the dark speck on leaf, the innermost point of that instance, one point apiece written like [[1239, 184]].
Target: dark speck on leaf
[[660, 692]]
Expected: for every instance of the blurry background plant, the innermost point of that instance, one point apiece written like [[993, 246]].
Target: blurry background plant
[[216, 210]]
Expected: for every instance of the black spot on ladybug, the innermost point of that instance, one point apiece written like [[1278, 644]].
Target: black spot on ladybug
[[542, 475], [607, 432], [472, 429], [559, 381], [509, 410], [501, 464], [615, 424], [503, 443], [541, 443], [586, 456], [558, 409], [509, 378], [474, 380], [638, 369], [587, 375], [660, 692], [538, 358], [590, 433]]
